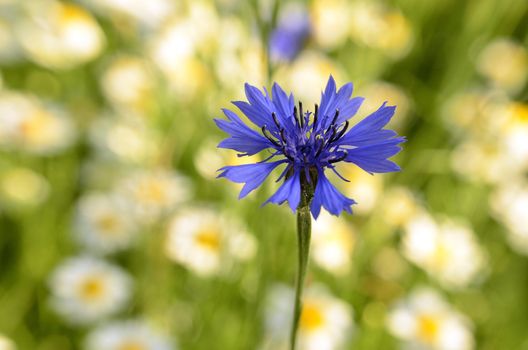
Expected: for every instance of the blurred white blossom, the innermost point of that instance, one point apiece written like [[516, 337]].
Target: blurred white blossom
[[448, 251], [85, 289], [326, 322], [207, 242], [424, 320], [127, 335]]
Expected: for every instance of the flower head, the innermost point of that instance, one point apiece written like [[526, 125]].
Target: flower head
[[308, 143], [85, 289]]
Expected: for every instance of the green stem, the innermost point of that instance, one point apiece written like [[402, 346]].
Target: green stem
[[304, 228]]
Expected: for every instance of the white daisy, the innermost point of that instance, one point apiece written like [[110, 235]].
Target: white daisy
[[60, 35], [85, 289], [448, 251], [152, 194], [27, 124], [138, 76], [128, 140], [127, 335], [425, 321], [333, 243], [207, 242], [102, 223], [508, 204], [326, 322]]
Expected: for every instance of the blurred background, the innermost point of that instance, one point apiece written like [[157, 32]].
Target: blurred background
[[115, 234]]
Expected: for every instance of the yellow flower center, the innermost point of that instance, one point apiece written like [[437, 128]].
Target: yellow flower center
[[441, 256], [151, 191], [428, 328], [38, 128], [519, 113], [108, 224], [311, 317], [131, 345], [71, 13], [209, 239], [92, 288]]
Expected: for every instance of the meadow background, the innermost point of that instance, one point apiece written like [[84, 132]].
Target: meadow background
[[115, 234]]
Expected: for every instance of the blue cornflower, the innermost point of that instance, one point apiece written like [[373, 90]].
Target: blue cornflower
[[288, 38], [308, 143]]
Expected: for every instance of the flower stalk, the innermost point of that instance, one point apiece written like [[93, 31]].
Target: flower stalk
[[304, 231]]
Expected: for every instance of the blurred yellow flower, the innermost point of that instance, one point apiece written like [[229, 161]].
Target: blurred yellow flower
[[505, 63], [331, 22], [60, 35], [23, 187], [382, 28]]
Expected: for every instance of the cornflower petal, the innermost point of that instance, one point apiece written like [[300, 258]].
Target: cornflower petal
[[253, 175], [290, 190], [329, 197]]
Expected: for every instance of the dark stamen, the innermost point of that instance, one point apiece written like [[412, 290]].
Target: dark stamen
[[296, 116], [335, 117], [301, 115], [283, 137], [275, 120], [333, 129], [316, 115], [341, 133], [338, 159], [320, 149], [266, 133]]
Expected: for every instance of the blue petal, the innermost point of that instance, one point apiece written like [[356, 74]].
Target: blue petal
[[290, 190], [253, 175], [337, 102], [259, 108], [327, 96], [373, 158], [257, 116], [331, 101], [329, 197], [243, 139], [283, 104], [369, 131], [349, 109]]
